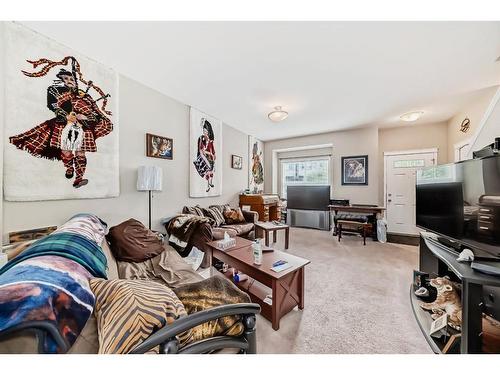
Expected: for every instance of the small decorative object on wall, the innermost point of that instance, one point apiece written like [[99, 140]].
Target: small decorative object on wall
[[205, 155], [465, 125], [236, 162], [60, 121], [355, 170], [255, 165], [159, 147]]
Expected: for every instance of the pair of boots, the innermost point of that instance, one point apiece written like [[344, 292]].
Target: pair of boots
[[78, 163]]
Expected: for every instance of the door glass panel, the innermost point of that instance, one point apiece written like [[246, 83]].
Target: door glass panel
[[409, 163]]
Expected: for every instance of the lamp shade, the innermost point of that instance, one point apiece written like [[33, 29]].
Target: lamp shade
[[149, 178]]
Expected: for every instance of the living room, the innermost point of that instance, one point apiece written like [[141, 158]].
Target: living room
[[257, 186]]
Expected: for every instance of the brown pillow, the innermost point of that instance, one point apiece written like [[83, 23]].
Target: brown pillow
[[131, 241], [234, 216]]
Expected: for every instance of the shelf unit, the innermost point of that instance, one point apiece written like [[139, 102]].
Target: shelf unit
[[424, 321], [438, 259]]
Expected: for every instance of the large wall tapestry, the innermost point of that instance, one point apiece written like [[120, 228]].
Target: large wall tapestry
[[61, 134], [256, 165], [205, 155]]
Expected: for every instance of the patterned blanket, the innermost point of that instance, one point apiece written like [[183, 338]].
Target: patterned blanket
[[49, 283], [181, 228], [67, 245]]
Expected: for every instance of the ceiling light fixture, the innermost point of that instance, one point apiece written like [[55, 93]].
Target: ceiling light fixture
[[277, 115], [411, 116]]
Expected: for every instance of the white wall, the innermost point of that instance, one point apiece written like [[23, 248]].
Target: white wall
[[412, 137], [344, 143], [491, 128], [474, 111], [142, 110]]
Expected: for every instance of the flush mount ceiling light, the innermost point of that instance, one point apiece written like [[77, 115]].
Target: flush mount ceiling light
[[411, 116], [277, 115]]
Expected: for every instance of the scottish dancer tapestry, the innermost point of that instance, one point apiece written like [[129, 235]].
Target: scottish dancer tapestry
[[205, 155], [256, 165], [61, 135]]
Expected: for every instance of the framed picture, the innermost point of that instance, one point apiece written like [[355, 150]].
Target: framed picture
[[159, 147], [236, 162], [355, 170]]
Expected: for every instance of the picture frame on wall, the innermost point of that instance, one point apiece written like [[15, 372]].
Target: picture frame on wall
[[160, 147], [354, 170], [236, 162]]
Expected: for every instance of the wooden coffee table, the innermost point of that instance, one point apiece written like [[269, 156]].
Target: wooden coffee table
[[286, 287], [269, 226]]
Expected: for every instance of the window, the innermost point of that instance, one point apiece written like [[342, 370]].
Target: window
[[409, 163], [311, 171]]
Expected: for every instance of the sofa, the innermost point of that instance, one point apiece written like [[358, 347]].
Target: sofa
[[210, 231], [26, 339], [244, 229]]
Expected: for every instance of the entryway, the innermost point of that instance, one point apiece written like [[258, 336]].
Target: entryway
[[400, 169]]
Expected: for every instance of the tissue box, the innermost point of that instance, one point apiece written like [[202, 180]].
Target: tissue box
[[226, 243]]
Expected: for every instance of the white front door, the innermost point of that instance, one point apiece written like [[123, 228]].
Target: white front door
[[400, 172]]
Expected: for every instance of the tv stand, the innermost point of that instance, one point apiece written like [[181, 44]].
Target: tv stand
[[437, 259], [449, 243]]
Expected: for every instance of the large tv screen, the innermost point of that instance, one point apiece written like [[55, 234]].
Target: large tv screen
[[461, 201], [308, 197]]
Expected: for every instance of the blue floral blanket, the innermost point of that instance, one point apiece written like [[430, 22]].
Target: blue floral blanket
[[49, 284]]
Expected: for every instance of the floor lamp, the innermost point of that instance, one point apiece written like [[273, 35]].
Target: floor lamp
[[149, 179]]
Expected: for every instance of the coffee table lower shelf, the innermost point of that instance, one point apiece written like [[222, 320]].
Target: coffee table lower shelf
[[258, 292]]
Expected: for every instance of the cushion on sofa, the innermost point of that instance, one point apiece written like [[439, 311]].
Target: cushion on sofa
[[240, 229], [215, 214], [193, 210], [131, 241], [129, 311], [234, 216]]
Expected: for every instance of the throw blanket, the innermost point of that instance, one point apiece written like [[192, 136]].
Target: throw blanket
[[48, 282], [212, 292], [47, 289], [67, 245], [181, 228]]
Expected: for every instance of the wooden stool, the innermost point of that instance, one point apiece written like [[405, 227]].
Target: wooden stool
[[360, 228]]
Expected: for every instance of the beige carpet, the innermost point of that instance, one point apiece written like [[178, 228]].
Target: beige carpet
[[356, 299]]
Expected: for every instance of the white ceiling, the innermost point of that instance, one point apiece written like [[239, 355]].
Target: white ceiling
[[327, 75]]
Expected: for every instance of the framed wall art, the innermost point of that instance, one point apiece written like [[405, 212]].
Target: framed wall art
[[354, 170], [236, 162], [159, 147]]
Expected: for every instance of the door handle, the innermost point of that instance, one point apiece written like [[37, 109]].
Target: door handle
[[389, 200]]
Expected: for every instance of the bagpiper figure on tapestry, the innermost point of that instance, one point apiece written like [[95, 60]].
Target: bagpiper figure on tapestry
[[205, 157], [257, 168], [78, 120]]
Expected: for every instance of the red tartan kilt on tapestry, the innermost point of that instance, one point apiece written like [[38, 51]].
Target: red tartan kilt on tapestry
[[44, 140]]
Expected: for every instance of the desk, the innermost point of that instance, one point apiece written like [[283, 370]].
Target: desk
[[369, 210], [266, 205]]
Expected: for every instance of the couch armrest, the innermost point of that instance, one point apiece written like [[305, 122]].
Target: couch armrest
[[250, 216], [166, 337]]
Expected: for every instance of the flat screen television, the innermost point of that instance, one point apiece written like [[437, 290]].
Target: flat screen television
[[461, 202], [308, 197]]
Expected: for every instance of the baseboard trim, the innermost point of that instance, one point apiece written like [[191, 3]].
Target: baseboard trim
[[404, 239]]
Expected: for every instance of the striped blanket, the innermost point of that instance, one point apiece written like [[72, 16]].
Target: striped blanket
[[48, 284]]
